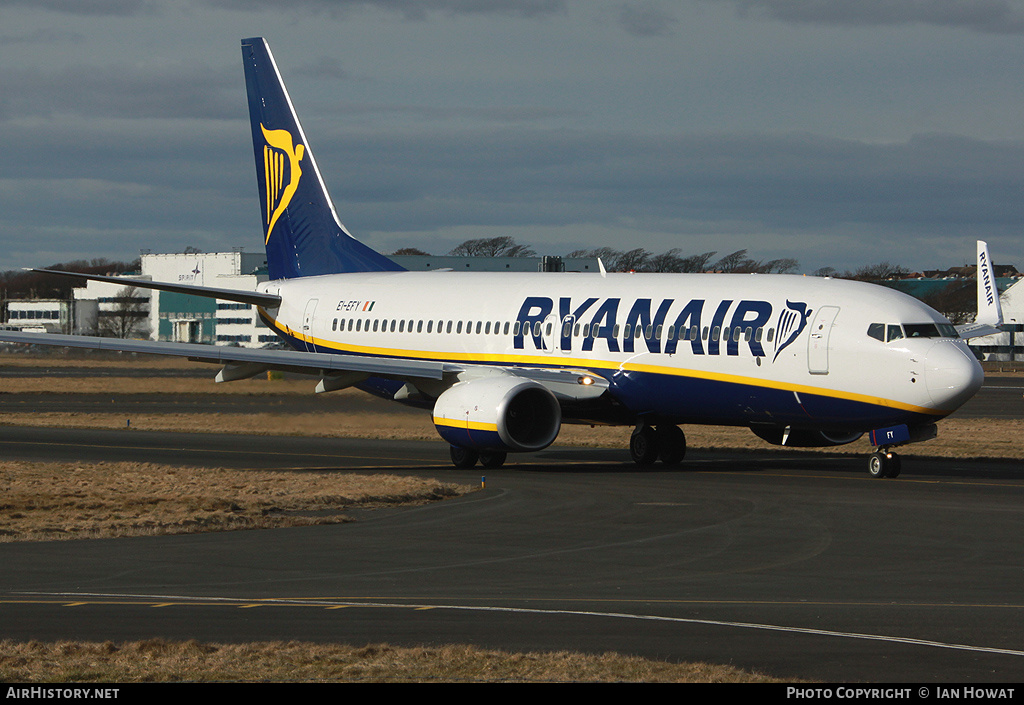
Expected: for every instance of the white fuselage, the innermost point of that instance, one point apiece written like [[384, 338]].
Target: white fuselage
[[711, 348]]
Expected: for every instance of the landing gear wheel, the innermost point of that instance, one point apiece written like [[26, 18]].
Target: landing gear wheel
[[882, 464], [464, 458], [876, 465], [492, 458], [643, 446], [672, 444], [894, 465]]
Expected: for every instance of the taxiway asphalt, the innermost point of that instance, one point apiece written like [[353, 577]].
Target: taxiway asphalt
[[796, 565]]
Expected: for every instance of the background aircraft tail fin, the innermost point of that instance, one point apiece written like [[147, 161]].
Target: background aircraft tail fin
[[301, 229], [990, 311]]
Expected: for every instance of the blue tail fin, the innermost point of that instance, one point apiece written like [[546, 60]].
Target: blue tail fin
[[303, 234]]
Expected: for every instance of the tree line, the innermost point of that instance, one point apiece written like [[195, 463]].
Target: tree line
[[22, 284], [641, 260]]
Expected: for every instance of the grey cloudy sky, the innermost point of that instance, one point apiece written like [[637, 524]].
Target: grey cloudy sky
[[840, 133]]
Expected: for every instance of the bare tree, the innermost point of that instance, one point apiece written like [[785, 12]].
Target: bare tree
[[731, 262], [876, 272], [128, 316], [697, 263], [636, 260], [956, 301], [492, 247], [666, 262]]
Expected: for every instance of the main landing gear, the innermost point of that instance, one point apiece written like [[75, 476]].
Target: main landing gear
[[884, 463], [465, 458], [665, 442]]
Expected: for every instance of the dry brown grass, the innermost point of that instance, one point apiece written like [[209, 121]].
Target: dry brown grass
[[79, 358], [170, 661], [154, 385], [958, 438], [42, 501]]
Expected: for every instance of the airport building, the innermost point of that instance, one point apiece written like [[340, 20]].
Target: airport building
[[181, 318], [39, 315]]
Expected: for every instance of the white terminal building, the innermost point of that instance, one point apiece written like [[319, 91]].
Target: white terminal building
[[103, 308], [194, 319]]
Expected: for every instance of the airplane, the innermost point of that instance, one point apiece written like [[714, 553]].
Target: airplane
[[502, 360]]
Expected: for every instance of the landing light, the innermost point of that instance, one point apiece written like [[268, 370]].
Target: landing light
[[585, 380]]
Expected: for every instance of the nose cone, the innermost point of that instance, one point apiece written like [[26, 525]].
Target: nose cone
[[952, 375]]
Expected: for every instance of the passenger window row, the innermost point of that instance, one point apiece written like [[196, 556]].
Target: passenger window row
[[584, 330]]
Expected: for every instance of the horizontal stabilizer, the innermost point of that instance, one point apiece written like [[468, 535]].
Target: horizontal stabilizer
[[977, 330]]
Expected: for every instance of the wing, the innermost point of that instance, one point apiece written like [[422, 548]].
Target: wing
[[246, 362], [337, 371]]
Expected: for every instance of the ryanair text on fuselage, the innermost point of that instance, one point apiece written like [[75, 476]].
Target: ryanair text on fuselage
[[663, 327]]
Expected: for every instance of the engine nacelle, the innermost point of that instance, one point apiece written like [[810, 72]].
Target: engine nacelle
[[498, 413], [804, 438]]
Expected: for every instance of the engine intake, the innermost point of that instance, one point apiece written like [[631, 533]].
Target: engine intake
[[498, 413]]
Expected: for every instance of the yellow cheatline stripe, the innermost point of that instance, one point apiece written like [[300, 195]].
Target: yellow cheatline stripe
[[552, 360], [471, 425]]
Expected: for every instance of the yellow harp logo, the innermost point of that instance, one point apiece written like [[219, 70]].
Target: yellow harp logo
[[281, 171]]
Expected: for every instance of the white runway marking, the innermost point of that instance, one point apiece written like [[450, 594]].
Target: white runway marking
[[334, 604]]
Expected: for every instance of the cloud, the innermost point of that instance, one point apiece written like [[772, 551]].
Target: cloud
[[85, 7], [989, 16], [646, 20], [42, 36], [327, 67], [410, 9], [123, 91]]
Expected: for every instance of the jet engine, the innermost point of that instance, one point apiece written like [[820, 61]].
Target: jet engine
[[803, 437], [498, 413]]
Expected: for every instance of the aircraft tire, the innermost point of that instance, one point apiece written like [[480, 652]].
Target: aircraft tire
[[894, 466], [464, 458], [492, 459], [878, 465], [672, 442], [643, 446]]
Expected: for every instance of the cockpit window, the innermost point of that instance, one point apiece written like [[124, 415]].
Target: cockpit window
[[890, 332], [930, 330]]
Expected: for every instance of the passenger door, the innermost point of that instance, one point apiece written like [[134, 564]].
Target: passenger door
[[817, 341]]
